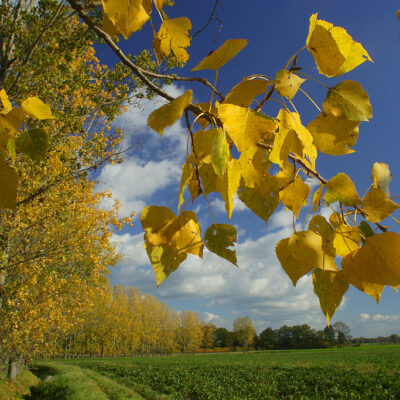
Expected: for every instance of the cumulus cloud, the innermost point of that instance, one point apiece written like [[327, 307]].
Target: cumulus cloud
[[156, 162], [379, 317]]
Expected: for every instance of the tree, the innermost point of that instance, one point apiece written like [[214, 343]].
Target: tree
[[342, 331], [232, 125], [244, 331], [208, 338], [223, 338]]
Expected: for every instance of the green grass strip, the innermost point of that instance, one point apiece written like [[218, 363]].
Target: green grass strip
[[67, 382]]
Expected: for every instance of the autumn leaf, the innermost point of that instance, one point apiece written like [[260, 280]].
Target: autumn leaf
[[244, 126], [334, 136], [303, 252], [187, 172], [8, 185], [169, 113], [287, 83], [316, 201], [108, 26], [346, 240], [222, 55], [348, 100], [164, 260], [381, 177], [127, 16], [229, 183], [341, 188], [333, 49], [322, 227], [35, 107], [377, 206], [295, 195], [5, 102], [174, 36], [219, 238], [376, 262], [329, 286], [245, 91]]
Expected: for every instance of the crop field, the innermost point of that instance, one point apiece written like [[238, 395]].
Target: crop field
[[371, 372]]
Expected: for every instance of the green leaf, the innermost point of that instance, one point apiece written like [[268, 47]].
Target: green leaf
[[33, 143], [261, 204], [348, 100], [219, 152], [366, 230], [218, 238]]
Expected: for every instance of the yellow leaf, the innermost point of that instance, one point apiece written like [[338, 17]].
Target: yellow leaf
[[294, 195], [316, 201], [228, 184], [12, 121], [346, 240], [292, 137], [8, 185], [289, 263], [187, 171], [163, 227], [377, 206], [244, 126], [108, 26], [348, 100], [169, 113], [341, 188], [334, 50], [35, 107], [158, 224], [222, 55], [127, 16], [398, 14], [335, 219], [187, 236], [218, 238], [244, 92], [381, 177], [164, 260], [302, 253], [287, 83], [254, 166], [262, 203], [208, 178], [307, 248], [5, 102], [174, 36], [159, 4], [333, 135], [329, 286], [202, 144], [377, 261]]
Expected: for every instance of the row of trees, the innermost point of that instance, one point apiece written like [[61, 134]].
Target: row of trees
[[123, 322]]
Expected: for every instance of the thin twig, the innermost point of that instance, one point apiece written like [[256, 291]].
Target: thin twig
[[212, 18]]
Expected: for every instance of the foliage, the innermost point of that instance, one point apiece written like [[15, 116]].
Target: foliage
[[235, 146], [358, 373]]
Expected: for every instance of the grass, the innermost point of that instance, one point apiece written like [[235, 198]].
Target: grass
[[67, 382], [19, 388]]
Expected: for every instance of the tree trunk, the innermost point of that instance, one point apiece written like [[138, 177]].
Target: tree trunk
[[15, 366]]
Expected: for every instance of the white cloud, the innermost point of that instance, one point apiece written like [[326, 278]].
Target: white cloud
[[219, 205], [364, 317], [135, 181], [379, 317]]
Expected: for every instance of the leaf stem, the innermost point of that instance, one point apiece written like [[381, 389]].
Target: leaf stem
[[310, 98], [313, 79], [293, 56]]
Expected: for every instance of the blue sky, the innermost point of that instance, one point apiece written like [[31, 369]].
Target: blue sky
[[259, 288]]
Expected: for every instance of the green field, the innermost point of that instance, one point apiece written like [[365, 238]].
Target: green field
[[371, 372]]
